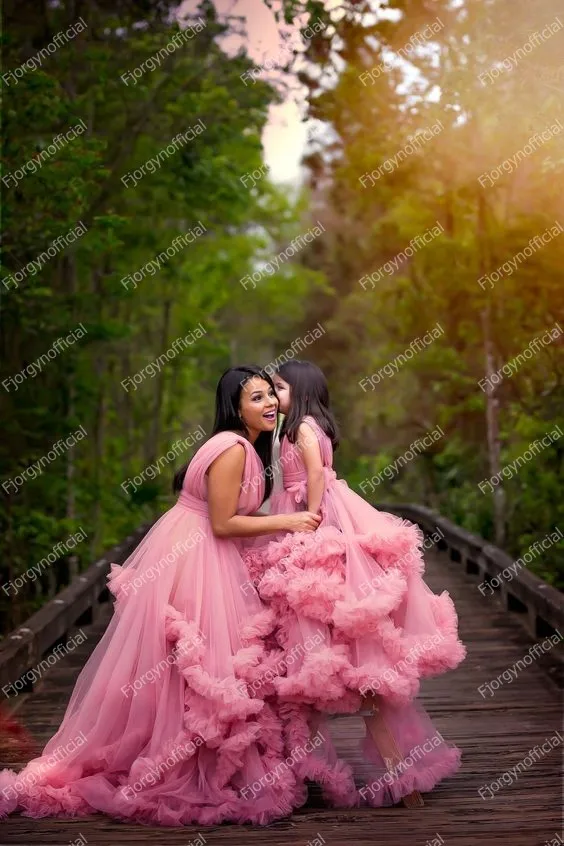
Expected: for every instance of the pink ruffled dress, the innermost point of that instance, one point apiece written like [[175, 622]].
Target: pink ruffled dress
[[169, 721], [356, 618]]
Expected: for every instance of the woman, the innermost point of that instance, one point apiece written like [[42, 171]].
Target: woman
[[169, 721]]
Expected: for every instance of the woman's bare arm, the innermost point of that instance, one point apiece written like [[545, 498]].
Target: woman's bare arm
[[224, 487]]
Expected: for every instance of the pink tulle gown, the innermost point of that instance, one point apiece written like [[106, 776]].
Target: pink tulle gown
[[355, 618], [169, 720]]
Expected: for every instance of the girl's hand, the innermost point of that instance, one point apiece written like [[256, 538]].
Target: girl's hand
[[303, 521]]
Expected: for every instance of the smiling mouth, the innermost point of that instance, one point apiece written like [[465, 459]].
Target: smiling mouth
[[270, 415]]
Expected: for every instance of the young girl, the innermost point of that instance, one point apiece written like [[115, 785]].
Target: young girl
[[173, 716], [358, 625]]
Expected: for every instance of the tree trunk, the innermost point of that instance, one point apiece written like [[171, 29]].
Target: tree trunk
[[492, 399], [233, 349], [104, 374], [69, 286], [158, 408]]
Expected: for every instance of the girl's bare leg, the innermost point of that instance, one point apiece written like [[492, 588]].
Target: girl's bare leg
[[386, 745], [314, 723]]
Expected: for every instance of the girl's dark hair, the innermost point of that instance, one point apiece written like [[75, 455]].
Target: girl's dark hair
[[310, 395], [227, 398]]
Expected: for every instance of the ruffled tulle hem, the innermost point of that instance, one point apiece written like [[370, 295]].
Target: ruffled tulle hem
[[226, 807], [443, 650], [390, 788], [334, 776], [317, 761], [228, 733], [118, 580], [395, 543], [307, 576], [360, 617], [336, 780], [320, 681]]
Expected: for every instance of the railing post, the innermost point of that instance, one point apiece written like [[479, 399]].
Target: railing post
[[540, 606]]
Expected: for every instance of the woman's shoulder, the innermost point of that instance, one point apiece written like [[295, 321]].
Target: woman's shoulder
[[211, 449], [220, 442], [224, 440]]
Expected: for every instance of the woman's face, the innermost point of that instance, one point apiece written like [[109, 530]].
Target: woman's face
[[258, 407], [283, 391]]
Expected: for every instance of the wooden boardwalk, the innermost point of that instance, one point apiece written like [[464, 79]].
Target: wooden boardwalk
[[494, 733]]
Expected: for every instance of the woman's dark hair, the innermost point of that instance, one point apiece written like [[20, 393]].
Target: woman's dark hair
[[227, 399], [310, 395]]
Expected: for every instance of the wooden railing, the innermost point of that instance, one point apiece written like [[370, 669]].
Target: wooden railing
[[77, 605], [541, 606]]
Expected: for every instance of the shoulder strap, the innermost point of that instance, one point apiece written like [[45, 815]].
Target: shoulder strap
[[311, 421], [323, 440], [218, 444]]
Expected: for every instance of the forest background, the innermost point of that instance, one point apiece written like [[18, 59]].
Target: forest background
[[434, 173]]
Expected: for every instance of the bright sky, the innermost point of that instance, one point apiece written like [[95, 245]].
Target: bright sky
[[285, 135]]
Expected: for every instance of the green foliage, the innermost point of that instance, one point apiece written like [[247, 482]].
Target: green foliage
[[367, 120], [133, 313], [130, 320]]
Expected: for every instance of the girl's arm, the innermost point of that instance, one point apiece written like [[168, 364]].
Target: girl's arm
[[224, 487], [311, 452]]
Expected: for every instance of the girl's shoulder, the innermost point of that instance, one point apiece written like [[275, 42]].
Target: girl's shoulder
[[310, 428], [312, 424]]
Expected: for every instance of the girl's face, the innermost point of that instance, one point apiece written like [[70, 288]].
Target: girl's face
[[283, 390], [258, 407]]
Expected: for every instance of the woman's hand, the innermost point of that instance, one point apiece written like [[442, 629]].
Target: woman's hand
[[303, 521], [224, 482]]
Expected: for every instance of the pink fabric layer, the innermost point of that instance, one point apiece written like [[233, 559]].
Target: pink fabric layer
[[365, 778], [354, 616], [172, 717]]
